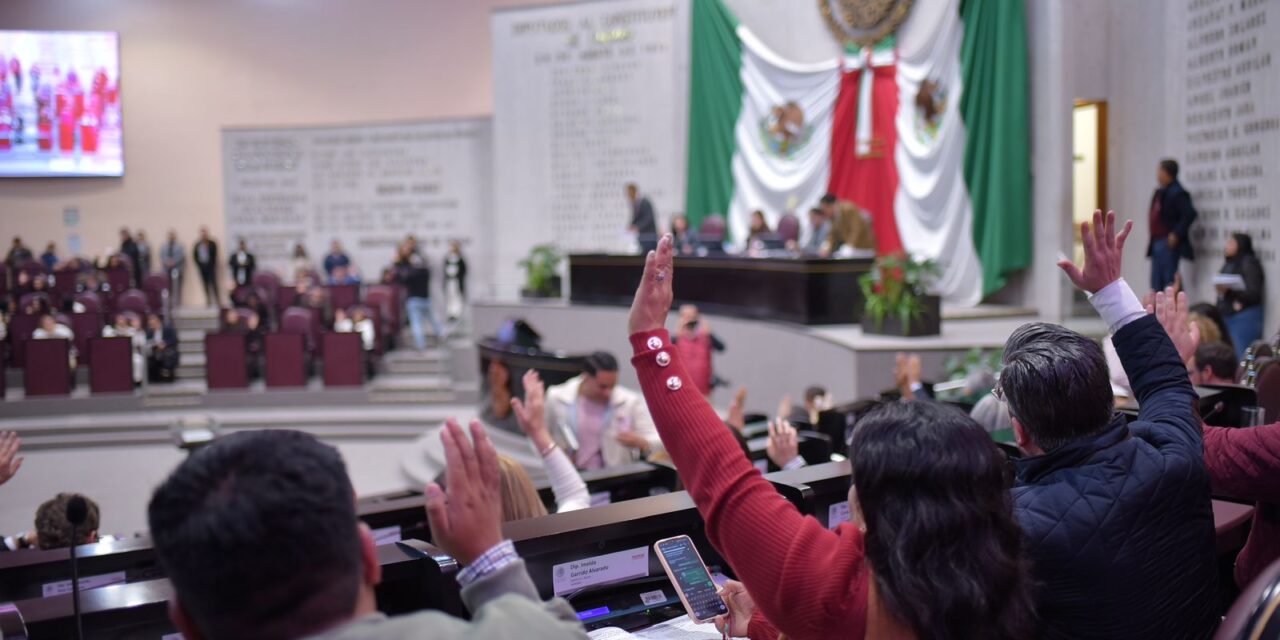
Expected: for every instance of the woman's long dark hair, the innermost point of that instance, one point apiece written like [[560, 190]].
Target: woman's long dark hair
[[947, 554]]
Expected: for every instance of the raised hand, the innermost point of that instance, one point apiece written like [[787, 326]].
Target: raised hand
[[737, 417], [530, 412], [653, 295], [10, 443], [741, 608], [1103, 253], [1170, 307], [466, 520], [783, 444]]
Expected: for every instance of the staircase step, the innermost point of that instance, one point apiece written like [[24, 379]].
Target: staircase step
[[411, 396], [416, 367]]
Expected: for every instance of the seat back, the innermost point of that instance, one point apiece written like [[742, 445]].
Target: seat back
[[91, 301], [269, 282], [47, 370], [226, 363], [156, 286], [135, 301], [1268, 389], [712, 228], [286, 360], [342, 296], [789, 227], [41, 301], [112, 368], [301, 321], [119, 278], [86, 325], [343, 360], [1256, 613]]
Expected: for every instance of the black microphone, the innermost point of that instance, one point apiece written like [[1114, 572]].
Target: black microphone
[[77, 513]]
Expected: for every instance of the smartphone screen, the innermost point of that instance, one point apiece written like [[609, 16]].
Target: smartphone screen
[[685, 568]]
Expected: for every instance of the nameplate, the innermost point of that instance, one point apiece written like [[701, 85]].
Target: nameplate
[[837, 513], [605, 569], [653, 598], [601, 498], [63, 587]]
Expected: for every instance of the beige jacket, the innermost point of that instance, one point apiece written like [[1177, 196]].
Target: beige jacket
[[627, 410], [504, 604]]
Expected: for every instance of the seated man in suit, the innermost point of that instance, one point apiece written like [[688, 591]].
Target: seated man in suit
[[259, 536], [598, 422]]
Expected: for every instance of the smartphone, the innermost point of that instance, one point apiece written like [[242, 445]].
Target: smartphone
[[690, 576]]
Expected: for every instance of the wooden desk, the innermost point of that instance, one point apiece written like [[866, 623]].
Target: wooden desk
[[810, 291]]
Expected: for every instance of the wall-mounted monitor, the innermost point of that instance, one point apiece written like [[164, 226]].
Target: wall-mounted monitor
[[60, 104]]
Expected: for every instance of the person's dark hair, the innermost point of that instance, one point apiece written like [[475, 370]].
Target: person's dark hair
[[813, 392], [1170, 166], [257, 532], [1056, 384], [1210, 311], [599, 361], [1220, 359], [1244, 244], [947, 555], [829, 198], [53, 531]]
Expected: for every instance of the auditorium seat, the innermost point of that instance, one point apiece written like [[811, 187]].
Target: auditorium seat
[[91, 301], [112, 368], [47, 372], [33, 268], [85, 326], [65, 281], [285, 297], [35, 298], [20, 330], [383, 297], [1256, 613], [156, 286], [133, 300], [268, 282], [226, 363], [712, 229], [300, 321], [343, 360], [789, 228], [120, 277], [342, 296], [286, 360]]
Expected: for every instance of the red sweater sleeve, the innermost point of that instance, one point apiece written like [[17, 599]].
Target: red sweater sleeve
[[807, 581], [1244, 462]]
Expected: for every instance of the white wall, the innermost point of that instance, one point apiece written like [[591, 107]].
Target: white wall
[[192, 67]]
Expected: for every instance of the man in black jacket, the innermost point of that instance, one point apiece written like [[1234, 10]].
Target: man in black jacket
[[1117, 515], [205, 254], [129, 249], [1170, 222], [643, 221]]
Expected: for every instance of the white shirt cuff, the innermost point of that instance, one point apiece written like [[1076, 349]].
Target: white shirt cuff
[[1117, 304]]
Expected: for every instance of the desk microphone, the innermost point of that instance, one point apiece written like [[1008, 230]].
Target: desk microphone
[[1217, 408], [77, 513]]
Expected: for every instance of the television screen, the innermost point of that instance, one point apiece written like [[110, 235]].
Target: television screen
[[60, 104]]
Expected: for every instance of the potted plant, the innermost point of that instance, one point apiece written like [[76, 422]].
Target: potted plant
[[541, 268], [897, 302]]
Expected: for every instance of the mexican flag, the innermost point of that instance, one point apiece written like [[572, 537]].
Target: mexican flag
[[926, 131]]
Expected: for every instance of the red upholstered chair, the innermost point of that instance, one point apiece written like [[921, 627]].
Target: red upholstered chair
[[300, 321], [64, 282], [269, 283], [86, 325], [285, 297], [342, 296], [712, 229], [47, 371], [20, 330], [40, 299], [1256, 613], [788, 228], [156, 286], [112, 368], [135, 301], [91, 301], [1268, 388], [226, 366], [383, 297], [343, 360], [120, 278], [33, 268], [286, 360]]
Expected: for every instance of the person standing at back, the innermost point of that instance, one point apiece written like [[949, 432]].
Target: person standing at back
[[173, 258], [242, 264], [1170, 223], [1117, 515], [205, 253], [144, 255], [129, 248], [643, 221], [415, 275]]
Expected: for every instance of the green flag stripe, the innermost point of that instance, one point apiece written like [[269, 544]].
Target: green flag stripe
[[715, 99], [997, 155]]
